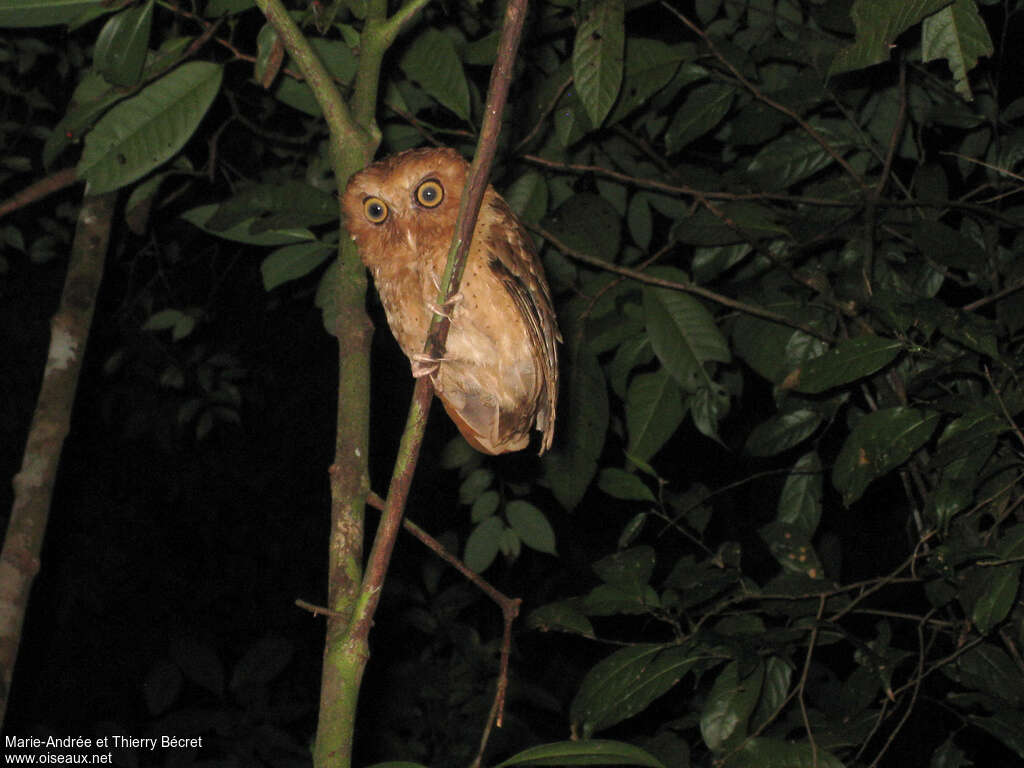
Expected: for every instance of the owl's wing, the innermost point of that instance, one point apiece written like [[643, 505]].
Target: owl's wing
[[513, 258]]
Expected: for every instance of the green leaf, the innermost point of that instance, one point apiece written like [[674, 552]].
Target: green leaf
[[572, 463], [433, 63], [998, 585], [292, 262], [880, 442], [777, 753], [792, 549], [620, 484], [122, 44], [1005, 725], [625, 683], [483, 544], [782, 431], [45, 13], [262, 662], [563, 616], [531, 525], [641, 223], [879, 23], [684, 336], [597, 58], [585, 752], [949, 755], [146, 130], [242, 232], [947, 246], [988, 669], [649, 67], [628, 569], [587, 222], [729, 705], [654, 411], [703, 109], [846, 362], [800, 500], [795, 157], [485, 505], [734, 223], [958, 34]]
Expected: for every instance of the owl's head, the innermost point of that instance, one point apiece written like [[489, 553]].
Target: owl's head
[[408, 200]]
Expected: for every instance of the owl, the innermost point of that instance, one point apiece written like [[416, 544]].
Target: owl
[[498, 376]]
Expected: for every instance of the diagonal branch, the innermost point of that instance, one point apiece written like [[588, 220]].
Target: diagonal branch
[[412, 437]]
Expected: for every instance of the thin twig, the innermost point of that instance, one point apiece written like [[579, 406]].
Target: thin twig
[[690, 288]]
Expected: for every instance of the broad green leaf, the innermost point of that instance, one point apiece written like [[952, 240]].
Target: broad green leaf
[[199, 663], [597, 58], [649, 67], [483, 544], [243, 231], [285, 205], [628, 569], [475, 483], [587, 222], [879, 443], [292, 262], [620, 600], [782, 431], [531, 525], [958, 34], [879, 23], [146, 130], [563, 616], [1000, 583], [795, 157], [777, 676], [625, 683], [684, 335], [584, 752], [949, 755], [708, 406], [729, 705], [583, 422], [732, 223], [44, 13], [620, 484], [947, 246], [1005, 725], [792, 549], [654, 411], [528, 197], [122, 44], [778, 753], [703, 109], [987, 668], [800, 500], [846, 362], [641, 223], [262, 662], [485, 505], [433, 63]]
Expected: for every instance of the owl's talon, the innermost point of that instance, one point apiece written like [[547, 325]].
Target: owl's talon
[[425, 365], [446, 309]]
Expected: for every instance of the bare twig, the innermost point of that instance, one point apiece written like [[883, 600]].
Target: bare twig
[[696, 290]]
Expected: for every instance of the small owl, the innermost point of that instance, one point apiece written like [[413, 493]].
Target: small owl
[[498, 376]]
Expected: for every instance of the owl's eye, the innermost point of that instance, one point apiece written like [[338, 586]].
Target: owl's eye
[[430, 193], [376, 210]]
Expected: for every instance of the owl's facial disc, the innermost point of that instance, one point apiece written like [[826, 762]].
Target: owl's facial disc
[[429, 193], [375, 209]]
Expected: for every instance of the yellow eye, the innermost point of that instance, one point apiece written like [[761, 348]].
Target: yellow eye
[[430, 193], [376, 210]]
